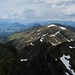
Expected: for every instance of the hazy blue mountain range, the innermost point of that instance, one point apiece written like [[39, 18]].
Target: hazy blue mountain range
[[65, 23], [8, 28]]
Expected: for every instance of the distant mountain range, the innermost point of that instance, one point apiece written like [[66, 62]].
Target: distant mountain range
[[65, 23], [8, 28]]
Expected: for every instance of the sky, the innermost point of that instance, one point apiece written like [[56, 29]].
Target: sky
[[37, 10]]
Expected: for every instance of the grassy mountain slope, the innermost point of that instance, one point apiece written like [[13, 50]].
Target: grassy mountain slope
[[51, 33]]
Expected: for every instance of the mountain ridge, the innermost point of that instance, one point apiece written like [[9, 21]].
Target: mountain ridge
[[53, 33], [44, 50]]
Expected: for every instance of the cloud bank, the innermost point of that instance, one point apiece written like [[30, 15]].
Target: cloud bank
[[33, 10]]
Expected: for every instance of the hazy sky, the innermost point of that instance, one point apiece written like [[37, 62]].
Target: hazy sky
[[33, 10]]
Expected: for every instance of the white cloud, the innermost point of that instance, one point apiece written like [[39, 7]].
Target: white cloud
[[58, 1], [37, 9], [69, 10]]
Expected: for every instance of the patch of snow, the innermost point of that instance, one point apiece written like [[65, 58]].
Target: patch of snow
[[38, 33], [42, 39], [39, 30], [32, 44], [63, 28], [72, 40], [52, 25], [45, 34], [66, 73], [53, 44], [66, 63], [71, 47], [52, 35], [68, 40], [57, 40], [27, 44], [24, 60], [55, 34], [55, 59]]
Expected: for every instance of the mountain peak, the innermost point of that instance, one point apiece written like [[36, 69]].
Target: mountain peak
[[51, 25], [52, 33], [57, 25]]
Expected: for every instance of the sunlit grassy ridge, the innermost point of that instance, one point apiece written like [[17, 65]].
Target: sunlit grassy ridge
[[52, 33]]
